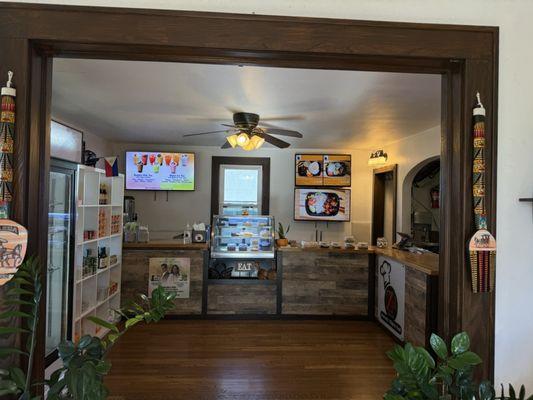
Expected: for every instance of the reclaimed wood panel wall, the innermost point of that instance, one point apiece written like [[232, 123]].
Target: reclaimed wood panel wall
[[135, 277], [325, 283], [241, 299]]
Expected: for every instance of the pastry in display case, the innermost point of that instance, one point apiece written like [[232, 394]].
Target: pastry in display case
[[242, 236]]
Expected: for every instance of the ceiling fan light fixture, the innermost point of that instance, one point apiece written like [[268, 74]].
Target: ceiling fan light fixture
[[257, 141], [243, 139], [232, 140]]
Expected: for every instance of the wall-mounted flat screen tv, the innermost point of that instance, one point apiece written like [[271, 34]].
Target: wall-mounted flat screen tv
[[322, 204], [152, 170]]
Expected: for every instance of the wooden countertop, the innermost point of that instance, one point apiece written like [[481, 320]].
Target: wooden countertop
[[165, 244], [325, 250], [427, 263]]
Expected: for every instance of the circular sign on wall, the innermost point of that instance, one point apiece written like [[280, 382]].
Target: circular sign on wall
[[13, 243]]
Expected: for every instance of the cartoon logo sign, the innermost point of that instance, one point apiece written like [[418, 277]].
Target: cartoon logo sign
[[13, 243]]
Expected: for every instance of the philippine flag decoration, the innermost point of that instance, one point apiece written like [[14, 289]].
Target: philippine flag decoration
[[111, 166], [13, 242]]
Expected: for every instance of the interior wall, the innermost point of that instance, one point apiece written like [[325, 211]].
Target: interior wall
[[166, 218], [408, 153]]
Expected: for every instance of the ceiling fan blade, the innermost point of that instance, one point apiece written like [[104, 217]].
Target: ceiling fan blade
[[282, 132], [226, 145], [204, 133], [284, 118], [274, 141]]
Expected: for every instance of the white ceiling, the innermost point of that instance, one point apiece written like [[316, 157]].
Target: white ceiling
[[152, 102]]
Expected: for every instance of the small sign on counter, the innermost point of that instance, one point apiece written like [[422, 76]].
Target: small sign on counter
[[171, 273], [391, 295]]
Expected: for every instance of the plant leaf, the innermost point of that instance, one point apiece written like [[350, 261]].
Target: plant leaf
[[7, 351], [18, 376], [460, 343], [438, 346], [7, 330], [14, 314], [105, 324], [465, 359]]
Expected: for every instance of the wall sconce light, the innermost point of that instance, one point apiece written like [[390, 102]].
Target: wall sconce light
[[378, 157]]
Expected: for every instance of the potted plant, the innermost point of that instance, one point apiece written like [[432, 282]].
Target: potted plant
[[84, 362], [23, 294], [282, 235], [448, 375]]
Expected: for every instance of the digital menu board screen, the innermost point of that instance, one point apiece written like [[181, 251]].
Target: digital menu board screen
[[159, 171]]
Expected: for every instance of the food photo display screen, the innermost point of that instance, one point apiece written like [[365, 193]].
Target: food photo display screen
[[321, 204], [147, 170], [323, 170]]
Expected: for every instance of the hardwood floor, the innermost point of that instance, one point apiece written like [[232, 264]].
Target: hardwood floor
[[252, 360]]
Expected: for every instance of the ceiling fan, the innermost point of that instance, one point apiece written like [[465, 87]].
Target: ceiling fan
[[245, 132]]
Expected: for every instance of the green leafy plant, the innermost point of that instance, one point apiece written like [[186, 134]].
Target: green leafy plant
[[22, 297], [84, 362], [449, 375], [282, 232]]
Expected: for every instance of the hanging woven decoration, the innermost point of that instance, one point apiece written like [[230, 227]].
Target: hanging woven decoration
[[482, 246], [7, 133]]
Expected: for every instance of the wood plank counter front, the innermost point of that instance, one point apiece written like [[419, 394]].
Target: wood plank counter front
[[324, 281], [136, 258], [421, 292]]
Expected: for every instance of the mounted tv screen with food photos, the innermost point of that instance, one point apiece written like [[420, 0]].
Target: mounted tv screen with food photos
[[320, 204], [323, 170]]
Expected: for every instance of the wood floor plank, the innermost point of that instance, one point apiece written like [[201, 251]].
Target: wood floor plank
[[252, 360]]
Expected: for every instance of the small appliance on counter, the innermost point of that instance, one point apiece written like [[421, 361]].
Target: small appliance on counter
[[129, 209], [143, 235], [362, 245], [200, 233]]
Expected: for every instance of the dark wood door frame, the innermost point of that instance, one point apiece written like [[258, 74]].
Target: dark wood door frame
[[465, 56], [378, 200], [264, 162]]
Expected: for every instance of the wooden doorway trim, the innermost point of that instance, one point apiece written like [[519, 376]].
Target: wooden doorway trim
[[380, 175], [466, 57]]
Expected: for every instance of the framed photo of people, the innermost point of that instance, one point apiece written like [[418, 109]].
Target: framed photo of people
[[172, 273], [316, 170]]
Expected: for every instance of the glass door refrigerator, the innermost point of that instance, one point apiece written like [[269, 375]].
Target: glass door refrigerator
[[59, 271]]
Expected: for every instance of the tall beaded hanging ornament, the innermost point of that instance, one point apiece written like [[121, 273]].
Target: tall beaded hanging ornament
[[7, 133], [13, 236], [482, 246]]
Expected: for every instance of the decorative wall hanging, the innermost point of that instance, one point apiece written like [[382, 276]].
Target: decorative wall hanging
[[482, 246], [13, 242], [7, 133]]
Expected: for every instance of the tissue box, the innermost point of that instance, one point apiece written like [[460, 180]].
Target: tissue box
[[199, 236]]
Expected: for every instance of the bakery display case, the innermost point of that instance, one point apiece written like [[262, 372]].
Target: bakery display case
[[243, 237]]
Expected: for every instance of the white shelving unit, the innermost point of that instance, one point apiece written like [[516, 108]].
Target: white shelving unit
[[97, 291]]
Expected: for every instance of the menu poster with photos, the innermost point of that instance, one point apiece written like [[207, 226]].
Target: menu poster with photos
[[337, 170], [171, 273], [321, 204], [323, 170], [159, 171], [309, 169]]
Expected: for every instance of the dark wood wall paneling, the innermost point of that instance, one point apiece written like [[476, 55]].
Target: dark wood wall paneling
[[467, 56]]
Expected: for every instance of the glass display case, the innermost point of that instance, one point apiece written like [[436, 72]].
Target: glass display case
[[242, 237]]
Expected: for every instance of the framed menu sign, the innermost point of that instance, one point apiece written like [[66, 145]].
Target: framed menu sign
[[317, 170], [309, 169], [337, 170]]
